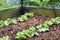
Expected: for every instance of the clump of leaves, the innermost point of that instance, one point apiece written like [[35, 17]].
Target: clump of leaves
[[14, 21], [32, 32], [5, 38], [1, 23], [55, 20], [48, 23], [42, 28], [58, 20], [23, 18], [8, 21], [26, 33], [29, 14], [20, 35]]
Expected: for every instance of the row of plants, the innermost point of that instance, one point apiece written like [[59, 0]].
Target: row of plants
[[29, 33], [14, 21], [41, 28], [26, 33], [45, 27]]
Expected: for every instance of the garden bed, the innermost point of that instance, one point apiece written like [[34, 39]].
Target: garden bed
[[52, 34], [12, 29]]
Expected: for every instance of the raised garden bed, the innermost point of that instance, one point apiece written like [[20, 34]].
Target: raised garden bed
[[10, 12], [12, 29], [42, 24]]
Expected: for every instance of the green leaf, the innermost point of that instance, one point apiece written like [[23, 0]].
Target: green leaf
[[39, 26], [36, 34], [32, 34], [32, 31], [58, 20], [1, 24], [23, 18], [31, 28], [26, 14], [49, 23], [26, 32], [45, 0], [14, 21], [8, 21], [5, 38], [46, 25], [31, 14], [20, 35], [54, 21], [43, 30]]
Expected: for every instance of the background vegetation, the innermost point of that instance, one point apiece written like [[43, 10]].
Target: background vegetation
[[8, 3], [40, 3]]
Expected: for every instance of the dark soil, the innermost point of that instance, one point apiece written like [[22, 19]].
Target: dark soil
[[12, 29]]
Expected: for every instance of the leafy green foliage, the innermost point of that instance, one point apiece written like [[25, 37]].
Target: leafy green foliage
[[42, 28], [20, 35], [32, 32], [8, 21], [14, 21], [41, 3], [29, 14], [55, 20], [26, 33], [47, 24], [8, 3], [38, 2], [57, 1], [5, 38], [1, 24], [23, 18]]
